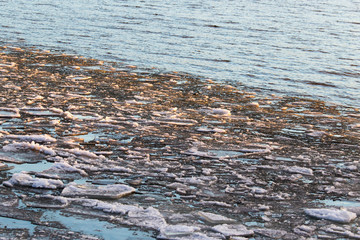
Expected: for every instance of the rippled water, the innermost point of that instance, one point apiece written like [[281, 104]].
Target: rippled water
[[296, 47]]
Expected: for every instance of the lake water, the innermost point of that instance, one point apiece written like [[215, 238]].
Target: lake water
[[293, 47]]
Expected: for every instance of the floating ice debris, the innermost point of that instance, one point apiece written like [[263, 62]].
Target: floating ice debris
[[23, 179], [195, 152], [344, 231], [30, 138], [173, 231], [335, 215], [86, 116], [258, 190], [233, 230], [108, 207], [202, 180], [4, 167], [101, 192], [271, 233], [63, 170], [68, 115], [46, 201], [84, 153], [301, 170], [254, 104], [220, 112], [148, 218], [210, 130], [304, 230], [316, 134], [42, 111], [21, 146], [215, 203], [194, 236], [9, 112], [9, 159], [177, 121], [215, 218]]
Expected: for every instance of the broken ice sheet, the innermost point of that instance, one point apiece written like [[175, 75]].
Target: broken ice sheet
[[46, 201], [23, 146], [30, 138], [62, 170], [271, 233], [113, 191], [9, 112], [233, 230], [23, 179], [171, 231], [215, 218], [300, 170], [335, 215]]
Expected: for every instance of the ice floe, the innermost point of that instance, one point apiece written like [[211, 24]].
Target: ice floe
[[23, 179], [335, 215], [113, 191], [233, 230], [23, 146], [9, 112], [30, 138], [215, 218], [300, 170]]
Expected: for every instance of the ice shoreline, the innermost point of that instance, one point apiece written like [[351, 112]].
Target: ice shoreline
[[184, 144]]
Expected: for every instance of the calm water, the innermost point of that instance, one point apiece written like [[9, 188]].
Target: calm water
[[296, 47]]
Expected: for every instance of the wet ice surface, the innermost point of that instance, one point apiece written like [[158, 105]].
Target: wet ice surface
[[167, 156]]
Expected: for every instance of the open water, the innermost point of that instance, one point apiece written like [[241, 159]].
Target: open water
[[293, 47]]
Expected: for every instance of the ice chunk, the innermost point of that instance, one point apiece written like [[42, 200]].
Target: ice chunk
[[215, 218], [220, 112], [63, 170], [113, 191], [233, 230], [301, 170], [335, 215], [171, 231], [202, 180], [271, 233], [9, 113], [304, 230], [149, 218], [109, 207], [195, 152], [23, 179], [19, 146], [177, 121], [258, 190], [84, 153], [4, 167], [210, 130], [46, 201], [34, 137]]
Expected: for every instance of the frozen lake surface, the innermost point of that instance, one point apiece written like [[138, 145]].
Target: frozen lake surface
[[295, 47]]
